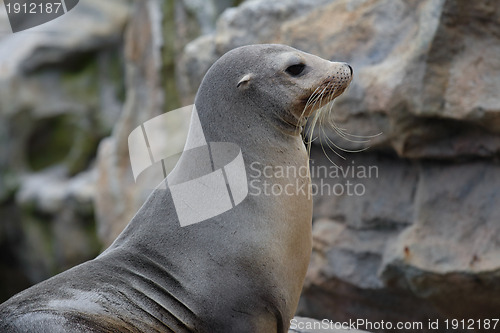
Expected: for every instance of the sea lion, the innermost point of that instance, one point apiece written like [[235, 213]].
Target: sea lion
[[240, 271]]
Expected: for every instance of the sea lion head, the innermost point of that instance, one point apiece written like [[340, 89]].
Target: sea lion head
[[274, 82]]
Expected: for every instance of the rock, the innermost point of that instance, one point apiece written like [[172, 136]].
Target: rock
[[252, 22], [118, 196], [358, 214], [438, 241], [61, 81], [194, 62], [50, 191], [258, 21], [419, 75], [412, 62], [13, 277], [196, 17], [57, 218], [60, 94], [451, 252], [55, 43]]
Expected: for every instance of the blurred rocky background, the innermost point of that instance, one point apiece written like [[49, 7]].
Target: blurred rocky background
[[61, 92], [422, 240]]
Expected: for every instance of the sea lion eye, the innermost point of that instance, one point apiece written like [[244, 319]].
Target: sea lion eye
[[295, 70]]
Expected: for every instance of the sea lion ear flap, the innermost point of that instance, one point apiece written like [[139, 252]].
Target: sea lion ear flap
[[245, 80]]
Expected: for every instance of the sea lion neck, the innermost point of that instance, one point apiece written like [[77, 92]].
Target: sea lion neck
[[256, 131]]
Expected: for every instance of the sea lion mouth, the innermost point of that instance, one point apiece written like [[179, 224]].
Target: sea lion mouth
[[319, 105], [330, 89], [322, 95], [317, 100]]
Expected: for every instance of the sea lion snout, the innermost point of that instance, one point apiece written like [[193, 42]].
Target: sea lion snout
[[336, 80]]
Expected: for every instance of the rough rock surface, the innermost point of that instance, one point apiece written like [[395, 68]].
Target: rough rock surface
[[117, 197], [60, 94], [150, 78], [426, 72], [253, 22], [423, 236]]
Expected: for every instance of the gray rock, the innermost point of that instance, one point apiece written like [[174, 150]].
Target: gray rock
[[60, 93], [56, 218], [352, 232], [420, 76], [451, 252], [118, 196], [415, 78], [253, 22], [201, 15], [258, 21], [194, 62], [63, 81], [54, 42], [50, 191], [441, 250]]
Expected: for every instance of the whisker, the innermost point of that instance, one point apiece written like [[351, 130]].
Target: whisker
[[323, 97], [311, 131], [316, 117], [311, 104], [308, 104], [343, 149], [363, 136], [344, 134], [329, 142], [326, 154]]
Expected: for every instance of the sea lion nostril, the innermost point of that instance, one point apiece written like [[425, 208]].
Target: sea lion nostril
[[350, 68]]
